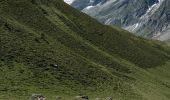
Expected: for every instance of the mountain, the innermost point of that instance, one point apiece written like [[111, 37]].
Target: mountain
[[48, 47], [148, 18]]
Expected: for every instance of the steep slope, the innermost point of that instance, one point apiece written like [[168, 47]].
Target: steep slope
[[148, 18], [48, 47]]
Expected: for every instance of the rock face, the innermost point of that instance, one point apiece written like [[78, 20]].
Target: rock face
[[148, 18]]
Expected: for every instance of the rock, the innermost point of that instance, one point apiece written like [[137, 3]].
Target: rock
[[81, 98], [97, 99], [37, 97], [109, 98], [58, 98]]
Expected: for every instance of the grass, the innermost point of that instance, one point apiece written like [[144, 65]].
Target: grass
[[50, 48]]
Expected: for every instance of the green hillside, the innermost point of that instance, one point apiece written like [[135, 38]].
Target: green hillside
[[48, 47]]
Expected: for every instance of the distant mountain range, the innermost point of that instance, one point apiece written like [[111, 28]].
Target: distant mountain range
[[148, 18]]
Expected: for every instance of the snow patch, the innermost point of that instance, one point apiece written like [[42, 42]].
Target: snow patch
[[151, 10], [107, 22], [69, 1], [88, 7], [135, 26]]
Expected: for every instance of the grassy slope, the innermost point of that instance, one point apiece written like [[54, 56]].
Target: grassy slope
[[92, 59]]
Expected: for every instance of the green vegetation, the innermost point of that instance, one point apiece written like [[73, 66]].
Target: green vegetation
[[48, 47]]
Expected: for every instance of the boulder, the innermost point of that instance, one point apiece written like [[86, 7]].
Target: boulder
[[81, 98], [58, 98], [109, 98], [37, 97]]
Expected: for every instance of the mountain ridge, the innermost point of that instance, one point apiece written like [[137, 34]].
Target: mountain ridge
[[142, 17]]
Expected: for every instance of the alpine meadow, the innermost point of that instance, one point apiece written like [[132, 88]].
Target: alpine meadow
[[48, 47]]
